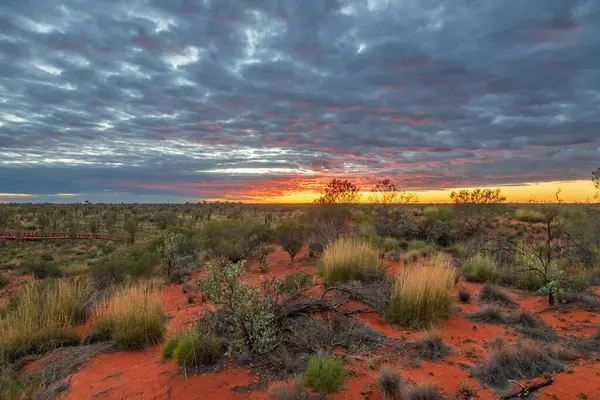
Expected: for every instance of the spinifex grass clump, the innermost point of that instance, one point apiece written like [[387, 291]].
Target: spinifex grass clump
[[480, 268], [351, 258], [44, 312], [133, 317], [423, 294]]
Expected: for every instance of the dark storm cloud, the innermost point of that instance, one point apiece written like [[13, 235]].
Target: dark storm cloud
[[200, 98]]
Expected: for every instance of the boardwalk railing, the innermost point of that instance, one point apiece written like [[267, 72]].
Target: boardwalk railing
[[14, 235]]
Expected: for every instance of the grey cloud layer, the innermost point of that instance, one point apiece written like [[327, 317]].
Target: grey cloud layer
[[171, 96]]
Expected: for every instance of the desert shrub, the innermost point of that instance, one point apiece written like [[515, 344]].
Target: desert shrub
[[293, 391], [324, 374], [247, 316], [424, 392], [133, 317], [526, 280], [4, 281], [395, 223], [423, 294], [134, 261], [291, 236], [390, 243], [518, 363], [394, 255], [196, 349], [432, 347], [464, 391], [490, 293], [490, 313], [351, 258], [480, 268], [528, 215], [166, 350], [41, 269], [464, 295], [296, 282], [524, 318], [315, 249], [328, 222], [44, 308], [539, 334], [174, 257], [391, 384], [164, 219], [442, 232], [235, 239]]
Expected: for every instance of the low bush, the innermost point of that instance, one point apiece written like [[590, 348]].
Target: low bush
[[315, 249], [296, 282], [4, 281], [395, 223], [518, 363], [493, 294], [489, 313], [464, 295], [196, 349], [432, 347], [169, 346], [41, 269], [291, 236], [135, 261], [423, 294], [480, 268], [293, 391], [424, 392], [42, 310], [391, 384], [324, 374], [235, 239], [133, 317], [351, 258], [390, 243], [528, 215]]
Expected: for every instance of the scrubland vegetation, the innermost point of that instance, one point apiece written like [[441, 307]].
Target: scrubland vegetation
[[294, 316]]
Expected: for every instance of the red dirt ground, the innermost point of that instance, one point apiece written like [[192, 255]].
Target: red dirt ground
[[143, 375]]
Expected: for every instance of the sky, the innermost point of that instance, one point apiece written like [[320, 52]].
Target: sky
[[266, 100]]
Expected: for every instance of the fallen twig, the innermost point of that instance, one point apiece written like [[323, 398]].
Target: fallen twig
[[526, 391]]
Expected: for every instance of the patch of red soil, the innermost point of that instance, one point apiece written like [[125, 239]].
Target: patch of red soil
[[181, 313], [142, 375], [582, 379], [573, 322]]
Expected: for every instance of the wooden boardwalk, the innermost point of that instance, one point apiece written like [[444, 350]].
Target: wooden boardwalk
[[35, 235]]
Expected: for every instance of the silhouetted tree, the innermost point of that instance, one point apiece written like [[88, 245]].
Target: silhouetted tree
[[475, 207], [386, 192], [341, 192]]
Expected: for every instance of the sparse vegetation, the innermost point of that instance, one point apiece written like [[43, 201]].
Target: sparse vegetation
[[292, 236], [493, 294], [528, 215], [196, 349], [391, 384], [431, 346], [424, 392], [423, 294]]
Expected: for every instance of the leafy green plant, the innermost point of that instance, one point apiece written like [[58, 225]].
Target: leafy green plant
[[324, 374], [291, 236], [196, 349]]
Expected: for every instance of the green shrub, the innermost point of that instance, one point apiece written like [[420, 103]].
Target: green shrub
[[295, 282], [324, 374], [235, 240], [41, 268], [350, 258], [167, 349], [196, 349], [395, 223], [390, 243], [528, 215], [529, 281], [480, 268], [4, 281], [291, 236], [136, 261]]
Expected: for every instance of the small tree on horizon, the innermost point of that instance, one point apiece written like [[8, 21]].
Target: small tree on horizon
[[340, 192], [475, 207], [386, 192], [291, 236], [596, 181]]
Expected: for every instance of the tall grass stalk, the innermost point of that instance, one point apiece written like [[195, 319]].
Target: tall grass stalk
[[43, 307], [133, 316], [423, 294], [351, 258]]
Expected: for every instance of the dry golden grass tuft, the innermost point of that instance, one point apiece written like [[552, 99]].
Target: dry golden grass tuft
[[351, 258], [133, 317], [423, 294], [43, 307]]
